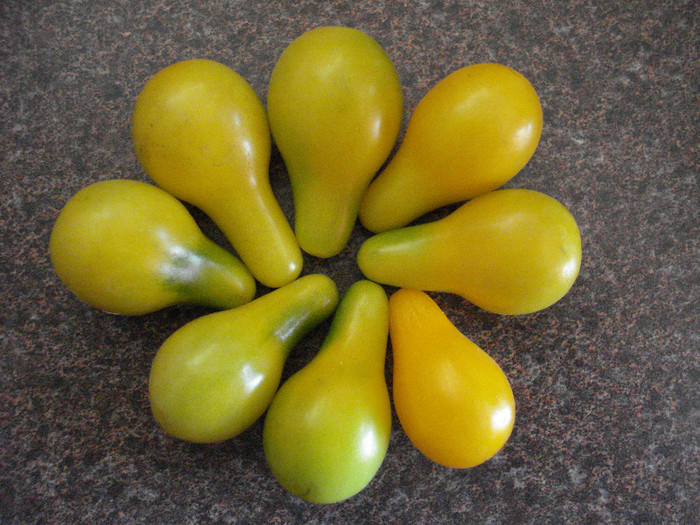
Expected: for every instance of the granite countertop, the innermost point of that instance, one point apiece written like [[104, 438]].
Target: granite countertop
[[605, 381]]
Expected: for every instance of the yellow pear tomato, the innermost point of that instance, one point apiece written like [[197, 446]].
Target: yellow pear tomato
[[453, 400], [471, 133], [201, 133], [335, 108], [512, 251]]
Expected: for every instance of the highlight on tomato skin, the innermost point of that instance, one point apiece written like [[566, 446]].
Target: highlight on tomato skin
[[452, 399]]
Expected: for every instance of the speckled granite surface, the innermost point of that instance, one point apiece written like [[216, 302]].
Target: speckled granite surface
[[606, 381]]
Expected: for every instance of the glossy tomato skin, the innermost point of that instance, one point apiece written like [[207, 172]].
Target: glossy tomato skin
[[130, 248], [201, 133], [327, 430], [470, 134], [335, 108], [511, 251], [216, 375], [453, 400]]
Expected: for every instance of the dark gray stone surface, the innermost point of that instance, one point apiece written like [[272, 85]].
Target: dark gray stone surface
[[606, 381]]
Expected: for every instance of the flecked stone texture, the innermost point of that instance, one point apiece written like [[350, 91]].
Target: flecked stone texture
[[606, 380]]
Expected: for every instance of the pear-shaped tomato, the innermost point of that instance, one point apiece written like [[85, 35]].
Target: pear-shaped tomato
[[215, 376], [335, 107], [471, 133], [327, 430], [509, 251], [130, 248], [201, 133], [453, 400]]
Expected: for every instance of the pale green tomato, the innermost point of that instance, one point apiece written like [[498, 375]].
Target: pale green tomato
[[327, 430], [215, 376]]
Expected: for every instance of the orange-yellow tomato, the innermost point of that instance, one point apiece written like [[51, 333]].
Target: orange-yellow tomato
[[453, 401], [470, 134]]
